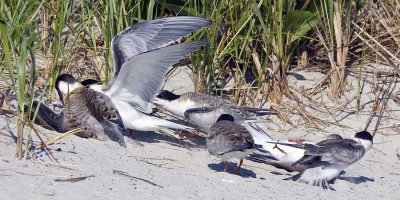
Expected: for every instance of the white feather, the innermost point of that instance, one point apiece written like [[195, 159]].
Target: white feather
[[134, 119], [66, 88], [176, 107]]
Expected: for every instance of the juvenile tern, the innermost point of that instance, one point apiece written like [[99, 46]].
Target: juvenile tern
[[229, 140], [274, 153], [322, 163], [87, 109], [203, 110]]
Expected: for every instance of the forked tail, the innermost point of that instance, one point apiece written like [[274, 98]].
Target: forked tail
[[259, 135], [258, 111]]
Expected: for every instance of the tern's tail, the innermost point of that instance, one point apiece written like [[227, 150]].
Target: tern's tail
[[270, 153], [261, 138], [259, 135], [258, 111]]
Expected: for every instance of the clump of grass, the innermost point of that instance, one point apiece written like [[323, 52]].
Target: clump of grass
[[18, 40], [336, 34], [253, 44]]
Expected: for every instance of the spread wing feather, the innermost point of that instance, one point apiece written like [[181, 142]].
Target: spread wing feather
[[141, 76], [150, 35]]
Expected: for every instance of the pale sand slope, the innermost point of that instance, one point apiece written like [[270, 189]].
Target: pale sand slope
[[183, 172]]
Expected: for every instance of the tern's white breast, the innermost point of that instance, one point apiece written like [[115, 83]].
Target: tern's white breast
[[179, 107]]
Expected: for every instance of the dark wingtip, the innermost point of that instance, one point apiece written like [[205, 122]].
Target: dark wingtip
[[122, 143], [296, 177], [208, 21]]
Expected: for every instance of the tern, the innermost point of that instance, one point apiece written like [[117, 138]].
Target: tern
[[143, 54], [83, 108], [322, 162], [274, 153], [230, 140], [203, 110]]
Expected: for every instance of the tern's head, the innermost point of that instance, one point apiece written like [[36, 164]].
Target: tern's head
[[164, 97], [89, 82], [66, 83], [365, 138], [226, 117]]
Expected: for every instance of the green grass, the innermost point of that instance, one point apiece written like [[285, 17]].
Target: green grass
[[252, 43]]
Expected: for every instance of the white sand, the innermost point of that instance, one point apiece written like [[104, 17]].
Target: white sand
[[176, 170]]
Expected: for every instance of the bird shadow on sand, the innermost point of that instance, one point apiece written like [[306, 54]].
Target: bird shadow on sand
[[245, 173], [297, 76], [153, 137], [356, 180]]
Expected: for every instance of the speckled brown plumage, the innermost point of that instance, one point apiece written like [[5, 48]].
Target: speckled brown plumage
[[90, 110]]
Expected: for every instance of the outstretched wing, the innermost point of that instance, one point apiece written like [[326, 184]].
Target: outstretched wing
[[150, 35], [141, 76]]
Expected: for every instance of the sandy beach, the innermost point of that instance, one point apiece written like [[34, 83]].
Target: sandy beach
[[169, 168]]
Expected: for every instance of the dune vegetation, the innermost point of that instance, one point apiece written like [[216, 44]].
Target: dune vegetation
[[254, 44]]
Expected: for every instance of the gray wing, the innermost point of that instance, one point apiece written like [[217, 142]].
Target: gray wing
[[341, 151], [141, 77], [48, 118], [329, 139], [150, 35], [226, 136]]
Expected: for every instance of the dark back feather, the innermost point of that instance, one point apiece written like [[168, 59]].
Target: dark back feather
[[226, 136]]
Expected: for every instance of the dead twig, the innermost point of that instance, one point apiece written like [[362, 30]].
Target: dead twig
[[73, 180], [384, 94], [384, 103], [41, 140], [58, 137], [395, 98], [135, 178]]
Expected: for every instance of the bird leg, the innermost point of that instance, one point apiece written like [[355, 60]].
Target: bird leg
[[276, 147], [225, 166], [237, 170]]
